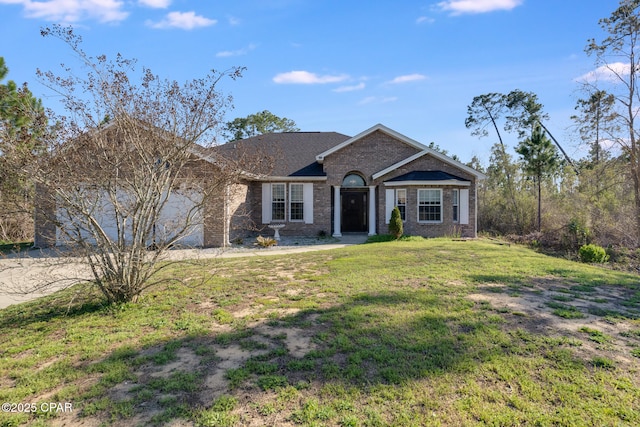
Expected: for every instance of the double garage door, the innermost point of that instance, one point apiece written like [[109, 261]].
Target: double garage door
[[180, 209]]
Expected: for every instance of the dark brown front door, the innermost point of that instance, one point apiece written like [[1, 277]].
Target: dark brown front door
[[354, 211]]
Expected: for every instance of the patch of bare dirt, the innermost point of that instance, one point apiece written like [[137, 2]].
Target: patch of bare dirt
[[604, 308], [186, 360], [297, 341], [213, 368], [215, 383]]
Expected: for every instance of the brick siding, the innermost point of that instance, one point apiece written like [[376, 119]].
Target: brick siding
[[367, 156]]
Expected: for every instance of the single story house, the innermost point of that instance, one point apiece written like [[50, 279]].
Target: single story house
[[327, 183]]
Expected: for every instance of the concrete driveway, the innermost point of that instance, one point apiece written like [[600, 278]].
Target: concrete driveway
[[26, 276], [29, 275]]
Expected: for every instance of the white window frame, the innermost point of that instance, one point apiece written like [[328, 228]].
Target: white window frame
[[455, 202], [439, 190], [283, 202], [403, 215], [300, 201]]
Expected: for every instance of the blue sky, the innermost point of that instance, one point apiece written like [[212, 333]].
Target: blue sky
[[335, 65]]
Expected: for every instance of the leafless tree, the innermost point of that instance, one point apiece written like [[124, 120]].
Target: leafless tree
[[618, 67], [130, 148]]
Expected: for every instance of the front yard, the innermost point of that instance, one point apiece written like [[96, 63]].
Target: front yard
[[417, 332]]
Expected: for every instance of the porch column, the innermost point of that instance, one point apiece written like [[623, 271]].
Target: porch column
[[372, 210], [337, 209]]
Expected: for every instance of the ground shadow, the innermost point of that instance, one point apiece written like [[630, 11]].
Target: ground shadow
[[76, 301], [373, 340], [357, 344]]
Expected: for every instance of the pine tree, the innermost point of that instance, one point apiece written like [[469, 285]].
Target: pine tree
[[540, 158]]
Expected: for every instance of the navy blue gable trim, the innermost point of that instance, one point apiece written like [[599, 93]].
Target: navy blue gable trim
[[427, 176], [314, 169]]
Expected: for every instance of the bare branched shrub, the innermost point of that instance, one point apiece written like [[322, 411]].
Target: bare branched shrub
[[126, 175]]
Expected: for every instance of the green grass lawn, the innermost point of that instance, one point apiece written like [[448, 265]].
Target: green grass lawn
[[416, 332]]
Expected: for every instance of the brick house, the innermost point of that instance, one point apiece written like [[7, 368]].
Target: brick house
[[324, 183], [329, 183]]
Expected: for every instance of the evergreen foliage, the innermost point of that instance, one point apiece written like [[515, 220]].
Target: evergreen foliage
[[395, 224], [22, 122], [540, 161], [258, 124], [593, 254]]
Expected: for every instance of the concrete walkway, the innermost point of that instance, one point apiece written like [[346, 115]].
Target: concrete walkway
[[25, 271]]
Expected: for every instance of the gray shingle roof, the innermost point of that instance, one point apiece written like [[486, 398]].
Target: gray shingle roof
[[287, 153]]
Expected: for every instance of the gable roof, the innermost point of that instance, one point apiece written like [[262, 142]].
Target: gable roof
[[379, 127], [435, 154], [405, 139], [80, 141], [293, 153], [427, 177]]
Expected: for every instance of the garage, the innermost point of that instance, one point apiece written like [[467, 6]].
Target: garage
[[181, 214]]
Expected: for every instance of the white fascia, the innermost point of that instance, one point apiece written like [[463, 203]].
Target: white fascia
[[436, 183]]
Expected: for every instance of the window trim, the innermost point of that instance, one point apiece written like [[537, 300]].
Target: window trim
[[284, 202], [291, 202], [403, 215], [455, 203], [362, 183], [418, 205]]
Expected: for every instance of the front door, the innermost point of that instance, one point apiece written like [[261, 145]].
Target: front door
[[354, 211]]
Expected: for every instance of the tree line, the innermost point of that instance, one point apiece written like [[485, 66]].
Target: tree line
[[569, 202]]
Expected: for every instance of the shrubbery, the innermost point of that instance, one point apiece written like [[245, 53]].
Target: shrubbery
[[395, 224], [265, 242], [593, 253]]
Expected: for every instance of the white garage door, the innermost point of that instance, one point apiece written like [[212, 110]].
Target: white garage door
[[179, 210]]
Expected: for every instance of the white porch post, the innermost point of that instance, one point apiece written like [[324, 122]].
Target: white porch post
[[372, 210], [336, 211]]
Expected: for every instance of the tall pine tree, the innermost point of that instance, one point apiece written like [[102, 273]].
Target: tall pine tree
[[540, 159]]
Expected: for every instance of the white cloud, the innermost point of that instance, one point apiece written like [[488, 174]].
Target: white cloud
[[68, 11], [425, 20], [375, 100], [233, 20], [609, 72], [341, 89], [610, 144], [307, 78], [239, 52], [183, 20], [408, 78], [460, 7], [156, 4]]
